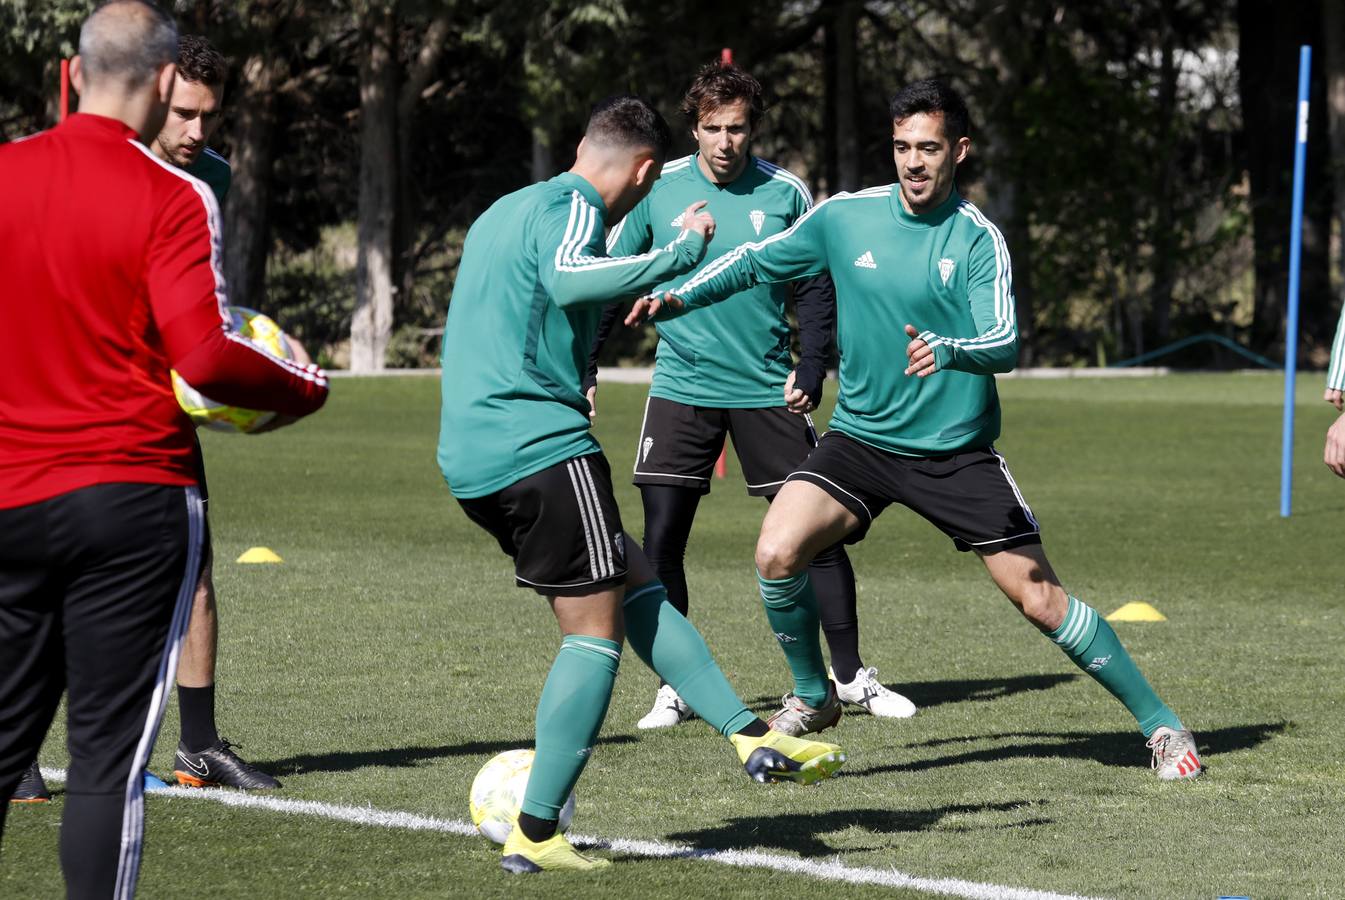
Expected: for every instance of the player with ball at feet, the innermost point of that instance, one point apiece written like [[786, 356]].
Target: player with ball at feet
[[517, 452], [917, 266]]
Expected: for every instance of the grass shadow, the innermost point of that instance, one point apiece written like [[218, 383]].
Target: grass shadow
[[927, 694], [802, 832], [1111, 748], [400, 757]]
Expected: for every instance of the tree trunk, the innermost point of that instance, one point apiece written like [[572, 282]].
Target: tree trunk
[[247, 232], [1164, 232], [830, 163], [1333, 63], [1269, 35], [421, 70], [543, 160], [1006, 199], [847, 95], [371, 326]]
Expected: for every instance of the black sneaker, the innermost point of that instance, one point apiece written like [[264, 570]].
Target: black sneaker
[[31, 789], [219, 766]]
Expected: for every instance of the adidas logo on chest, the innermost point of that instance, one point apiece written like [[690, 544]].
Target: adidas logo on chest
[[866, 261]]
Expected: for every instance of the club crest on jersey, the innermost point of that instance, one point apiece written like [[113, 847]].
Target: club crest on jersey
[[758, 218], [648, 445], [677, 222], [946, 267]]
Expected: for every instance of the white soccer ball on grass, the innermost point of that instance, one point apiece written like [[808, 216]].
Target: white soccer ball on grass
[[497, 795]]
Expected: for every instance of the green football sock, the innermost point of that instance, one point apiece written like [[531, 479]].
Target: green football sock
[[1087, 639], [569, 715], [675, 650], [791, 608]]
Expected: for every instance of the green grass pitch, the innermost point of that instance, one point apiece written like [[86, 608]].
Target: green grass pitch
[[390, 656]]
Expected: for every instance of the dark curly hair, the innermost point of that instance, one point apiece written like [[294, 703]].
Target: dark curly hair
[[200, 62], [933, 96], [717, 85]]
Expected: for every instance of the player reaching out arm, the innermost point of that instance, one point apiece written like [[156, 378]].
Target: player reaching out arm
[[919, 269], [728, 368]]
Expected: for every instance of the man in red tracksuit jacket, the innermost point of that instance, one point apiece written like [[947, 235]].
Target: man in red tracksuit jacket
[[110, 276]]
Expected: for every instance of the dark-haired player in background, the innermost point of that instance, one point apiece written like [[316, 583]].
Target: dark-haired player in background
[[110, 262], [921, 269], [517, 452], [204, 759], [729, 370]]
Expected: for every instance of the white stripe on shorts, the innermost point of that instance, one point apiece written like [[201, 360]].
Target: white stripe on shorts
[[804, 476], [603, 536], [579, 499], [1027, 510]]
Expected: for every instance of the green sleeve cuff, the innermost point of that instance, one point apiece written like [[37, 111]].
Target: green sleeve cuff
[[943, 356]]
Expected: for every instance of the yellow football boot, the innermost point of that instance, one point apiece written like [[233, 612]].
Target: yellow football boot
[[779, 757], [522, 855]]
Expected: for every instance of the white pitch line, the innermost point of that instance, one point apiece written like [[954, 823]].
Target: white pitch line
[[828, 870]]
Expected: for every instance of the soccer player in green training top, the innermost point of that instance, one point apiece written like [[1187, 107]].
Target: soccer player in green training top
[[516, 450], [203, 757], [916, 264], [728, 369], [1334, 454]]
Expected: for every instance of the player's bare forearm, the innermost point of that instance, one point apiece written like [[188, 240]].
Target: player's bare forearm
[[1334, 455]]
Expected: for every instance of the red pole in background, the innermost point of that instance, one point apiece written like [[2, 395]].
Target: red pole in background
[[65, 88], [726, 56]]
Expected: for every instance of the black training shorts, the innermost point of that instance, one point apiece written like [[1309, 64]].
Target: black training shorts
[[561, 526], [679, 444], [969, 496]]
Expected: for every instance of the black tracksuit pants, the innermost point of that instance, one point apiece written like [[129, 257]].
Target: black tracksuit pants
[[95, 591]]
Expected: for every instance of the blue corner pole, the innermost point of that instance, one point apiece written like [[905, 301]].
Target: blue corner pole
[[1295, 264]]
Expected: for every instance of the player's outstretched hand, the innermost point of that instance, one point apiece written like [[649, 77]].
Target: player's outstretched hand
[[920, 359], [1335, 396], [648, 306], [696, 219], [797, 400], [1334, 457]]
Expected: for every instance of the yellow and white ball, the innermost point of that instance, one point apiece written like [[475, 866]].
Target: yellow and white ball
[[497, 795], [266, 334]]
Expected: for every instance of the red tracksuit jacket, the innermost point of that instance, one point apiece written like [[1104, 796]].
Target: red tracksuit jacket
[[110, 275]]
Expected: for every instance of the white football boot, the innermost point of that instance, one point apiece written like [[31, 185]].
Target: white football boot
[[1175, 755], [668, 710], [796, 718], [867, 691]]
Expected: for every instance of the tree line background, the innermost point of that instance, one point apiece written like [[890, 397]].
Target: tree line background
[[1137, 154]]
